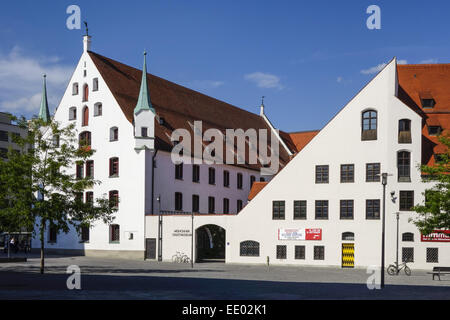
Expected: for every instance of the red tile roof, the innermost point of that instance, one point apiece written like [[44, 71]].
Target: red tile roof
[[427, 81], [177, 105], [256, 188], [296, 141]]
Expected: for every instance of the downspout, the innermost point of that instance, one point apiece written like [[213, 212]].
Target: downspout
[[153, 179]]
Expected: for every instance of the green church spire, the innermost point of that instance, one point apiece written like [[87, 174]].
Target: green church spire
[[44, 113], [144, 102]]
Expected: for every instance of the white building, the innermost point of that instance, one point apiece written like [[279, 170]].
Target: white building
[[129, 120], [322, 208]]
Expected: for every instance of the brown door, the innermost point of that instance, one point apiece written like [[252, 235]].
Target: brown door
[[85, 116]]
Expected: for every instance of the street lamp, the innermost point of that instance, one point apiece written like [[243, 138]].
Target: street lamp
[[384, 183], [158, 198], [192, 239]]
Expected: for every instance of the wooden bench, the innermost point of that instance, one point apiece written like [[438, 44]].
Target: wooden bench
[[438, 271]]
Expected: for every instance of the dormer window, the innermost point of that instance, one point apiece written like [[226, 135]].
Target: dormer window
[[404, 131], [434, 130], [428, 103], [369, 125], [75, 89]]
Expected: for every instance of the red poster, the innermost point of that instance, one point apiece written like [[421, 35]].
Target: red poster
[[436, 236], [313, 234]]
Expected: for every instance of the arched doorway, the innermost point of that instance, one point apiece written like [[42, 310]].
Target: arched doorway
[[210, 243]]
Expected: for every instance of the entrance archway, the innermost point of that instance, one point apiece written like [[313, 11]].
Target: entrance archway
[[210, 243]]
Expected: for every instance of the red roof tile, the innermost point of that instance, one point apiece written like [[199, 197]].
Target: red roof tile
[[256, 188]]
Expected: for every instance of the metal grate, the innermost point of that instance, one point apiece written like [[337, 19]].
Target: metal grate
[[300, 252], [432, 255], [281, 252], [407, 254], [249, 248], [319, 253]]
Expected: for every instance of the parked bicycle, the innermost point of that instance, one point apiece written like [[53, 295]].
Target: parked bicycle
[[394, 270], [180, 258]]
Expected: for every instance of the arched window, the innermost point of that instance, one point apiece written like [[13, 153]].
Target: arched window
[[72, 113], [85, 92], [408, 237], [85, 120], [98, 109], [249, 248], [114, 134], [404, 166], [348, 236], [404, 131], [369, 125], [84, 139]]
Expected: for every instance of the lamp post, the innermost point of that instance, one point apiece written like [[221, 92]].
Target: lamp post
[[396, 259], [158, 198], [192, 239], [384, 183]]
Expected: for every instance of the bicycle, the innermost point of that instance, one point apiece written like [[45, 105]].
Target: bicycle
[[393, 269], [180, 258]]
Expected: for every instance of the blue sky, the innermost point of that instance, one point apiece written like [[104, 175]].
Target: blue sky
[[307, 57]]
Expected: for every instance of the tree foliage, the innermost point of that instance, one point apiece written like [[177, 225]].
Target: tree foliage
[[434, 213], [38, 184]]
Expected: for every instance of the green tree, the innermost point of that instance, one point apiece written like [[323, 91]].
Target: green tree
[[39, 188], [434, 213]]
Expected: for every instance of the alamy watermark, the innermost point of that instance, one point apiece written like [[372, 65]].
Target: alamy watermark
[[74, 20], [374, 20], [374, 280], [74, 280], [209, 147]]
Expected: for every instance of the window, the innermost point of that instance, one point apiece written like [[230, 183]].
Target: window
[[95, 84], [300, 252], [85, 93], [373, 172], [319, 253], [4, 153], [404, 166], [85, 120], [56, 141], [179, 171], [299, 209], [281, 252], [144, 132], [212, 175], [211, 204], [408, 237], [178, 201], [346, 209], [90, 168], [321, 209], [72, 113], [252, 180], [195, 203], [406, 200], [85, 139], [114, 198], [428, 103], [79, 171], [226, 179], [322, 174], [239, 205], [98, 109], [407, 254], [262, 179], [226, 205], [278, 210], [347, 173], [114, 167], [369, 125], [4, 136], [239, 180], [114, 134], [75, 89], [434, 130], [89, 198], [404, 131], [114, 233], [432, 255], [195, 173], [52, 234], [348, 236], [85, 234], [249, 248], [373, 209]]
